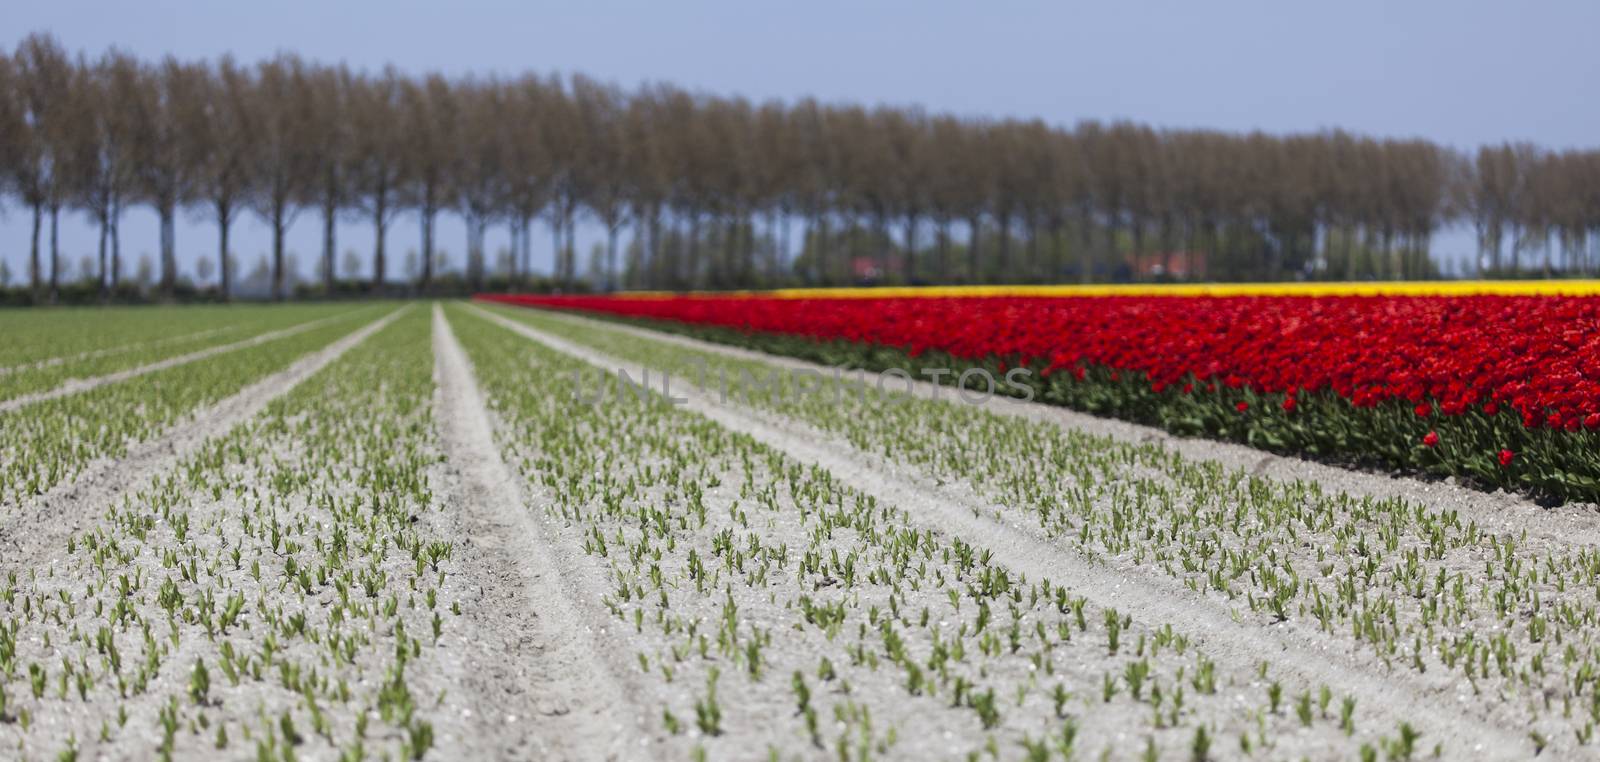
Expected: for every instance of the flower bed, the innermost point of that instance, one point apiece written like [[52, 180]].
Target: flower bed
[[1501, 390]]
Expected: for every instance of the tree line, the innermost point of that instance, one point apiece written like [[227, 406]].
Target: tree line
[[698, 191]]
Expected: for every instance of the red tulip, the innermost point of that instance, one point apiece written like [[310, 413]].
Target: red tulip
[[1430, 439], [1442, 355], [1505, 457]]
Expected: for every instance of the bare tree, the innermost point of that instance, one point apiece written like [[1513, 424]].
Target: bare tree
[[377, 158], [47, 80], [602, 161], [478, 165], [430, 135], [107, 148], [282, 163], [562, 137], [14, 139], [168, 168], [218, 131], [329, 136], [710, 185], [529, 166]]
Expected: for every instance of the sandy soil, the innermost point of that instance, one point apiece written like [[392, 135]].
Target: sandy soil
[[1573, 524], [36, 531], [93, 353], [915, 725], [711, 580], [77, 385], [537, 661], [1434, 703]]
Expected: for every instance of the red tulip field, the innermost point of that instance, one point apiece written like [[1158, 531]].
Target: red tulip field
[[1503, 391]]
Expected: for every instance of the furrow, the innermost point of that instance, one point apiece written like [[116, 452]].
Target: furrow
[[572, 701], [76, 386], [94, 353], [1570, 525], [1307, 657], [39, 528]]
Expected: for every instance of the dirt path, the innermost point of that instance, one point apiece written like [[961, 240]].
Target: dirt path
[[77, 385], [537, 673], [1571, 525], [1389, 698], [93, 353], [37, 531]]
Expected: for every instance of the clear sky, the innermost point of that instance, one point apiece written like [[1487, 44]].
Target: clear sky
[[1461, 72]]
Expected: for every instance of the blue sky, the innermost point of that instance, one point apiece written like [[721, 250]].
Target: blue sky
[[1461, 73]]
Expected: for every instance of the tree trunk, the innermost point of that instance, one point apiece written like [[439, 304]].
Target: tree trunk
[[1034, 265], [1052, 268], [571, 229], [1390, 263], [884, 245], [652, 251], [475, 231], [557, 262], [329, 256], [692, 261], [672, 253], [1138, 250], [824, 251], [277, 255], [379, 264], [224, 267], [783, 247], [733, 270], [1005, 248], [634, 266], [427, 250], [527, 250], [611, 257], [747, 240], [1516, 249], [514, 255], [974, 262], [169, 257], [105, 229], [1349, 254], [34, 273], [943, 243], [911, 249], [1085, 248], [55, 251], [765, 263], [808, 244], [116, 244]]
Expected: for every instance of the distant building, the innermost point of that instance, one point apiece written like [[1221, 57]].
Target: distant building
[[866, 270], [1181, 265]]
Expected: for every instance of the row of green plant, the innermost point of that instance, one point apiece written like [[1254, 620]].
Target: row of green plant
[[180, 332], [33, 336], [1474, 448], [1395, 584], [274, 596], [50, 441], [747, 576]]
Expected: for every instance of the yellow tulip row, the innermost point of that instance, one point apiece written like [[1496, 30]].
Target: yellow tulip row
[[1387, 288]]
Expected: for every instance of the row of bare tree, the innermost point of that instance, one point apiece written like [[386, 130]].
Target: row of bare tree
[[710, 187]]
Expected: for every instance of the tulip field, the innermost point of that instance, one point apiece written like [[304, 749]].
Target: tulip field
[[1198, 527], [1498, 390]]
